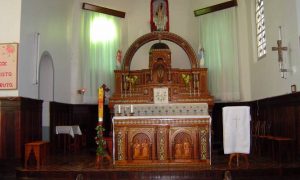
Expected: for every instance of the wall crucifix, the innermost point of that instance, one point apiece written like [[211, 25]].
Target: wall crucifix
[[279, 49]]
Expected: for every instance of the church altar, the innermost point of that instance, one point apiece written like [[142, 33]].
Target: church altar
[[161, 114], [158, 137]]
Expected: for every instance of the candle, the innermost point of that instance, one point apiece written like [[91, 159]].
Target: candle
[[119, 109], [131, 108], [279, 33]]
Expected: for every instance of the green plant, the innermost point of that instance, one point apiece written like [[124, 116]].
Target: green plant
[[100, 142]]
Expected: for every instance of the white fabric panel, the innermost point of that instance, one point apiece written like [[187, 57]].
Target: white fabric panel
[[236, 129]]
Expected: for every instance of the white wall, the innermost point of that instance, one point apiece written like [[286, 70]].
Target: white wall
[[10, 18], [265, 76], [181, 22], [137, 23], [50, 19], [57, 22]]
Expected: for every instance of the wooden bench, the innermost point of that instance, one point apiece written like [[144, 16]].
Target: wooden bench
[[39, 149]]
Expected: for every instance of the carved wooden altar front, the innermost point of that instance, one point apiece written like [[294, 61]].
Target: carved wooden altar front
[[161, 140], [184, 85]]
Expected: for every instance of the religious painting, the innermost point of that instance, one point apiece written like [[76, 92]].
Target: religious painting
[[8, 66], [161, 95], [159, 15]]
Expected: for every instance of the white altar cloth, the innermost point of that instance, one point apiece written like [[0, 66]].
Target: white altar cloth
[[71, 130], [236, 129]]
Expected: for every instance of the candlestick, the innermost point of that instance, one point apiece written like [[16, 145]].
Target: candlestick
[[131, 108], [279, 33]]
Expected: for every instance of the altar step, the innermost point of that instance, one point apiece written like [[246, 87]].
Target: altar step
[[83, 166]]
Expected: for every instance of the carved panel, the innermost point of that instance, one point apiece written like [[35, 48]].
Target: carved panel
[[162, 143], [120, 144], [203, 140], [140, 142], [161, 139]]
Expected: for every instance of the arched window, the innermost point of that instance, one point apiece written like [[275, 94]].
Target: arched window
[[260, 29]]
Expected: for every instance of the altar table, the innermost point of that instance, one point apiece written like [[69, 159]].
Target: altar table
[[162, 140]]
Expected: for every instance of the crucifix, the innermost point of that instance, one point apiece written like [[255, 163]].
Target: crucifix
[[279, 48]]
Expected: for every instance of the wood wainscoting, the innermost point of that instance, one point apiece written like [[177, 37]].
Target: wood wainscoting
[[280, 113], [20, 123], [84, 115]]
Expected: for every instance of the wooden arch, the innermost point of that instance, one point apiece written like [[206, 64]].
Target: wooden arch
[[163, 35]]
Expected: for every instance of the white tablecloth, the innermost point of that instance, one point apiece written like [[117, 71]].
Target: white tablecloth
[[71, 130], [236, 129]]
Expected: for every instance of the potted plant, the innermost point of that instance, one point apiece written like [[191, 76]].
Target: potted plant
[[100, 142]]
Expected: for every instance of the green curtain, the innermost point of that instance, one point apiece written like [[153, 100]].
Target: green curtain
[[98, 52], [218, 36]]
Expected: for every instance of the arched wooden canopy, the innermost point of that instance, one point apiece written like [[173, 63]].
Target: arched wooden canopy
[[159, 36]]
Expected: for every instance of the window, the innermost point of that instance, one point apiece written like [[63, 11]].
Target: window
[[260, 29], [100, 41]]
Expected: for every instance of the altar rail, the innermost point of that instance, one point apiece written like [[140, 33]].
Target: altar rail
[[161, 109]]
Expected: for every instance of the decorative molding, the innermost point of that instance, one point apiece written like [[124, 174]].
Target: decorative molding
[[99, 9], [215, 8]]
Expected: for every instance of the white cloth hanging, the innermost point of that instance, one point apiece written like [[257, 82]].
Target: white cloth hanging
[[236, 129]]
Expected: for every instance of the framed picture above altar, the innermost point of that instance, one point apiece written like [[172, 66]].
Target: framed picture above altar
[[159, 14], [161, 95]]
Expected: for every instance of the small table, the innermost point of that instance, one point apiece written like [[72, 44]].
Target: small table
[[72, 130], [39, 149]]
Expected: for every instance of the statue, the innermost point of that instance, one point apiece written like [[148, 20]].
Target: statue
[[178, 150], [136, 149], [187, 148], [145, 149], [200, 55], [160, 17]]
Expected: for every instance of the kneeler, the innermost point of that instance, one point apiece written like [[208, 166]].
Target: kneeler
[[236, 133]]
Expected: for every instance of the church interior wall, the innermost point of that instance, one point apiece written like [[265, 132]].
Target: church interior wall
[[51, 20], [265, 75], [55, 21], [10, 20], [55, 37], [182, 22], [298, 17]]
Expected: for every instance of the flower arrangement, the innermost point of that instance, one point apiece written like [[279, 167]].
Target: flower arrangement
[[186, 78], [100, 142]]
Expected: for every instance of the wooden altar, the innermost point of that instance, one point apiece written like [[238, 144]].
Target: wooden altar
[[184, 85], [157, 140], [161, 114]]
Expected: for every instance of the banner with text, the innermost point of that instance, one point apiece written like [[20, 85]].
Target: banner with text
[[8, 66]]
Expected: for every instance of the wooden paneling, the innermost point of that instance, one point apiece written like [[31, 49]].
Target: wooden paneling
[[282, 112], [20, 122], [86, 116]]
